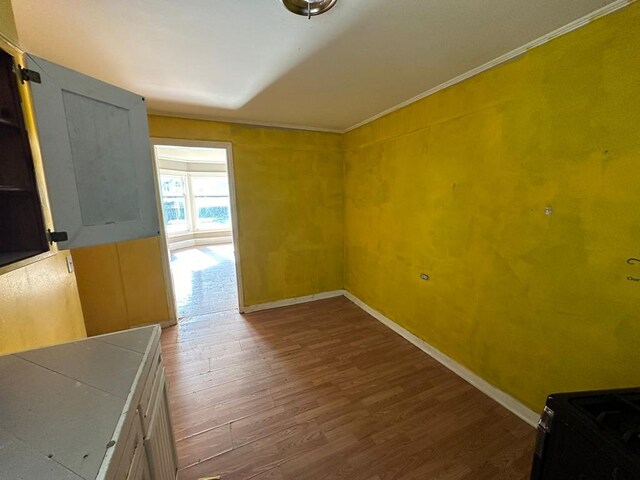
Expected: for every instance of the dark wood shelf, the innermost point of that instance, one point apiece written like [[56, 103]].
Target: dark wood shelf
[[22, 235], [7, 258], [12, 189], [9, 123]]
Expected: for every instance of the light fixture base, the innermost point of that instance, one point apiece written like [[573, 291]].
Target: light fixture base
[[309, 8]]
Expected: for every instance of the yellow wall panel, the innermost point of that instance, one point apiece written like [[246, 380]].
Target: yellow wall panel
[[456, 186], [121, 285], [142, 281], [39, 306], [101, 289]]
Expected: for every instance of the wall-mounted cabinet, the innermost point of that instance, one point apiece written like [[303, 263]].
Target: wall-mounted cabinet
[[96, 183], [22, 232]]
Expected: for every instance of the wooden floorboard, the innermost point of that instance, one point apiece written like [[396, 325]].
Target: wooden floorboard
[[323, 391]]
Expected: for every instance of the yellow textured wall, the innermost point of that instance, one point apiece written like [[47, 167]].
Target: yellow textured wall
[[290, 206], [456, 186], [39, 303], [121, 285], [39, 306]]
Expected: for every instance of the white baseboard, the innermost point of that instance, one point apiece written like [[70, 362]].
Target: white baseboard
[[293, 301], [508, 402], [181, 244], [196, 242]]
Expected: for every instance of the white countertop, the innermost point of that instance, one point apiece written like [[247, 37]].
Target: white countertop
[[60, 405]]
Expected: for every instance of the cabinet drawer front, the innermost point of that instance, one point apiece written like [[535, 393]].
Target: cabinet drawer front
[[159, 443], [139, 469], [151, 385], [146, 412], [133, 443]]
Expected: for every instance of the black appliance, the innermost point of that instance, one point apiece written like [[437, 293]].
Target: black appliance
[[589, 436]]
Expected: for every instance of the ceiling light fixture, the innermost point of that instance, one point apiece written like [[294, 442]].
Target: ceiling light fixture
[[308, 8]]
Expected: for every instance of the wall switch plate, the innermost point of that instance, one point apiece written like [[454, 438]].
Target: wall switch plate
[[70, 264]]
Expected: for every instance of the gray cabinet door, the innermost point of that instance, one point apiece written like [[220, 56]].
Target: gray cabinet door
[[96, 156]]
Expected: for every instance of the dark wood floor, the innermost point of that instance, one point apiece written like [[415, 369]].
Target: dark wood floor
[[324, 391]]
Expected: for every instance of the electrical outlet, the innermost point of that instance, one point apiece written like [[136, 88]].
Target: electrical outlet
[[70, 264], [424, 276]]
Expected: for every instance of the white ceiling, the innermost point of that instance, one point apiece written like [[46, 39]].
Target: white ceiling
[[253, 61]]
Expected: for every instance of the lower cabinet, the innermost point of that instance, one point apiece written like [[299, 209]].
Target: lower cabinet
[[150, 446], [69, 401], [155, 423], [158, 439], [132, 453]]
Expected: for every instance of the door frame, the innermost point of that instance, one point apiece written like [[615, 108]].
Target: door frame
[[164, 244]]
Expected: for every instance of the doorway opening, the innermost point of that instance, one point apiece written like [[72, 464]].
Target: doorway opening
[[197, 203]]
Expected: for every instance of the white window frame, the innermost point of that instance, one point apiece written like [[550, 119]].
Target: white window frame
[[190, 204], [187, 201], [194, 215]]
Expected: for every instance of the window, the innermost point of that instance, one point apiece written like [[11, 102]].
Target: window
[[195, 201], [211, 200], [174, 202]]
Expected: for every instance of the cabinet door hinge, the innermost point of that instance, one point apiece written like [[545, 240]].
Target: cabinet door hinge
[[57, 236], [27, 75]]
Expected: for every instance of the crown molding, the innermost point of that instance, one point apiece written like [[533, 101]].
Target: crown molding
[[282, 126], [580, 22]]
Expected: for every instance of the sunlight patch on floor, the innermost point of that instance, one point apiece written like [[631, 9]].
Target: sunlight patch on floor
[[204, 280]]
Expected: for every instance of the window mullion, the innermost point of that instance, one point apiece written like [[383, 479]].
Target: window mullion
[[191, 204]]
